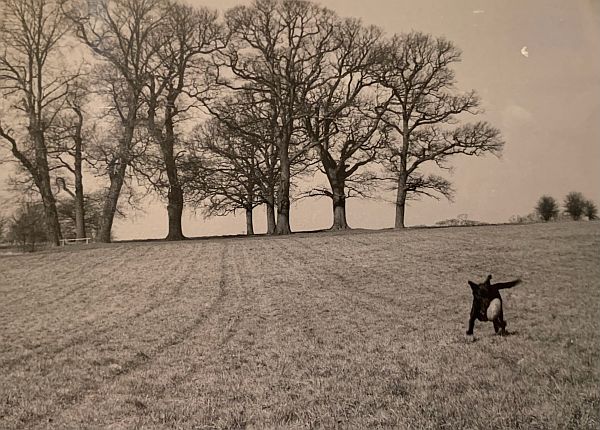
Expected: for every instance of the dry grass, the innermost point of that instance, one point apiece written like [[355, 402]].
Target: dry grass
[[325, 330]]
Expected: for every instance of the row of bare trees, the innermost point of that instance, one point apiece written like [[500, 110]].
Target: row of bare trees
[[226, 113]]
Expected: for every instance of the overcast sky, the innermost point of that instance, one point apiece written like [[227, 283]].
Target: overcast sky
[[547, 105]]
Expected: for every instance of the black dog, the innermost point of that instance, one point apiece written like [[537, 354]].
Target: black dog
[[487, 304]]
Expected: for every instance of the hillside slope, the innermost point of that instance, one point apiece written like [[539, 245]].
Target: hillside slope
[[323, 330]]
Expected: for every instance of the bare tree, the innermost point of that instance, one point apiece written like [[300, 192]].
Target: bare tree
[[118, 32], [243, 120], [186, 34], [277, 49], [342, 114], [69, 214], [229, 177], [345, 155], [34, 89], [69, 136], [423, 116]]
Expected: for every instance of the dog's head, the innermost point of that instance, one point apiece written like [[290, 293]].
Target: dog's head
[[480, 290]]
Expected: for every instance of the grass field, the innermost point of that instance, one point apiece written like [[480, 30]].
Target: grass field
[[352, 330]]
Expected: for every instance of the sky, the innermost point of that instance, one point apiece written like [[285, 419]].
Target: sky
[[546, 103]]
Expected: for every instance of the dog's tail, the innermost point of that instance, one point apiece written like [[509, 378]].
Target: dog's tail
[[505, 285]]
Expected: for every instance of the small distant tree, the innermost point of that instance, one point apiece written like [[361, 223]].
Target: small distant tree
[[574, 205], [547, 208], [92, 208], [590, 210], [27, 226]]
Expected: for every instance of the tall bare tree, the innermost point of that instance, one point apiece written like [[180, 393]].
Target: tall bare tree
[[342, 113], [118, 32], [424, 116], [277, 49], [34, 89], [346, 155], [69, 135], [185, 36]]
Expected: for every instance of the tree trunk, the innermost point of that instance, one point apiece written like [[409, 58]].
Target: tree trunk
[[271, 184], [175, 211], [249, 223], [166, 142], [175, 196], [117, 172], [110, 203], [271, 225], [79, 195], [335, 175], [43, 183], [283, 218], [175, 205], [80, 232], [402, 176], [339, 209], [400, 202], [51, 214], [283, 198]]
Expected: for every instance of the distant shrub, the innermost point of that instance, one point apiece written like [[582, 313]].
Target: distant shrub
[[574, 205], [547, 208], [460, 220], [590, 210], [524, 219]]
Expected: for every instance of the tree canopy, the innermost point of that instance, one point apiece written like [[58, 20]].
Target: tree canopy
[[226, 113]]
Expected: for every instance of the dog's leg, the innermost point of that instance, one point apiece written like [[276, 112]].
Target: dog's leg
[[472, 321], [500, 324]]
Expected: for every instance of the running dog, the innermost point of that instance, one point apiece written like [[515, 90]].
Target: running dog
[[487, 304]]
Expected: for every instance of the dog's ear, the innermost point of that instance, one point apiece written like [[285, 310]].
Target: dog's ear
[[473, 285]]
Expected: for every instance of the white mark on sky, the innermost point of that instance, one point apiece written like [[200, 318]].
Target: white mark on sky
[[516, 115], [524, 52], [478, 11]]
